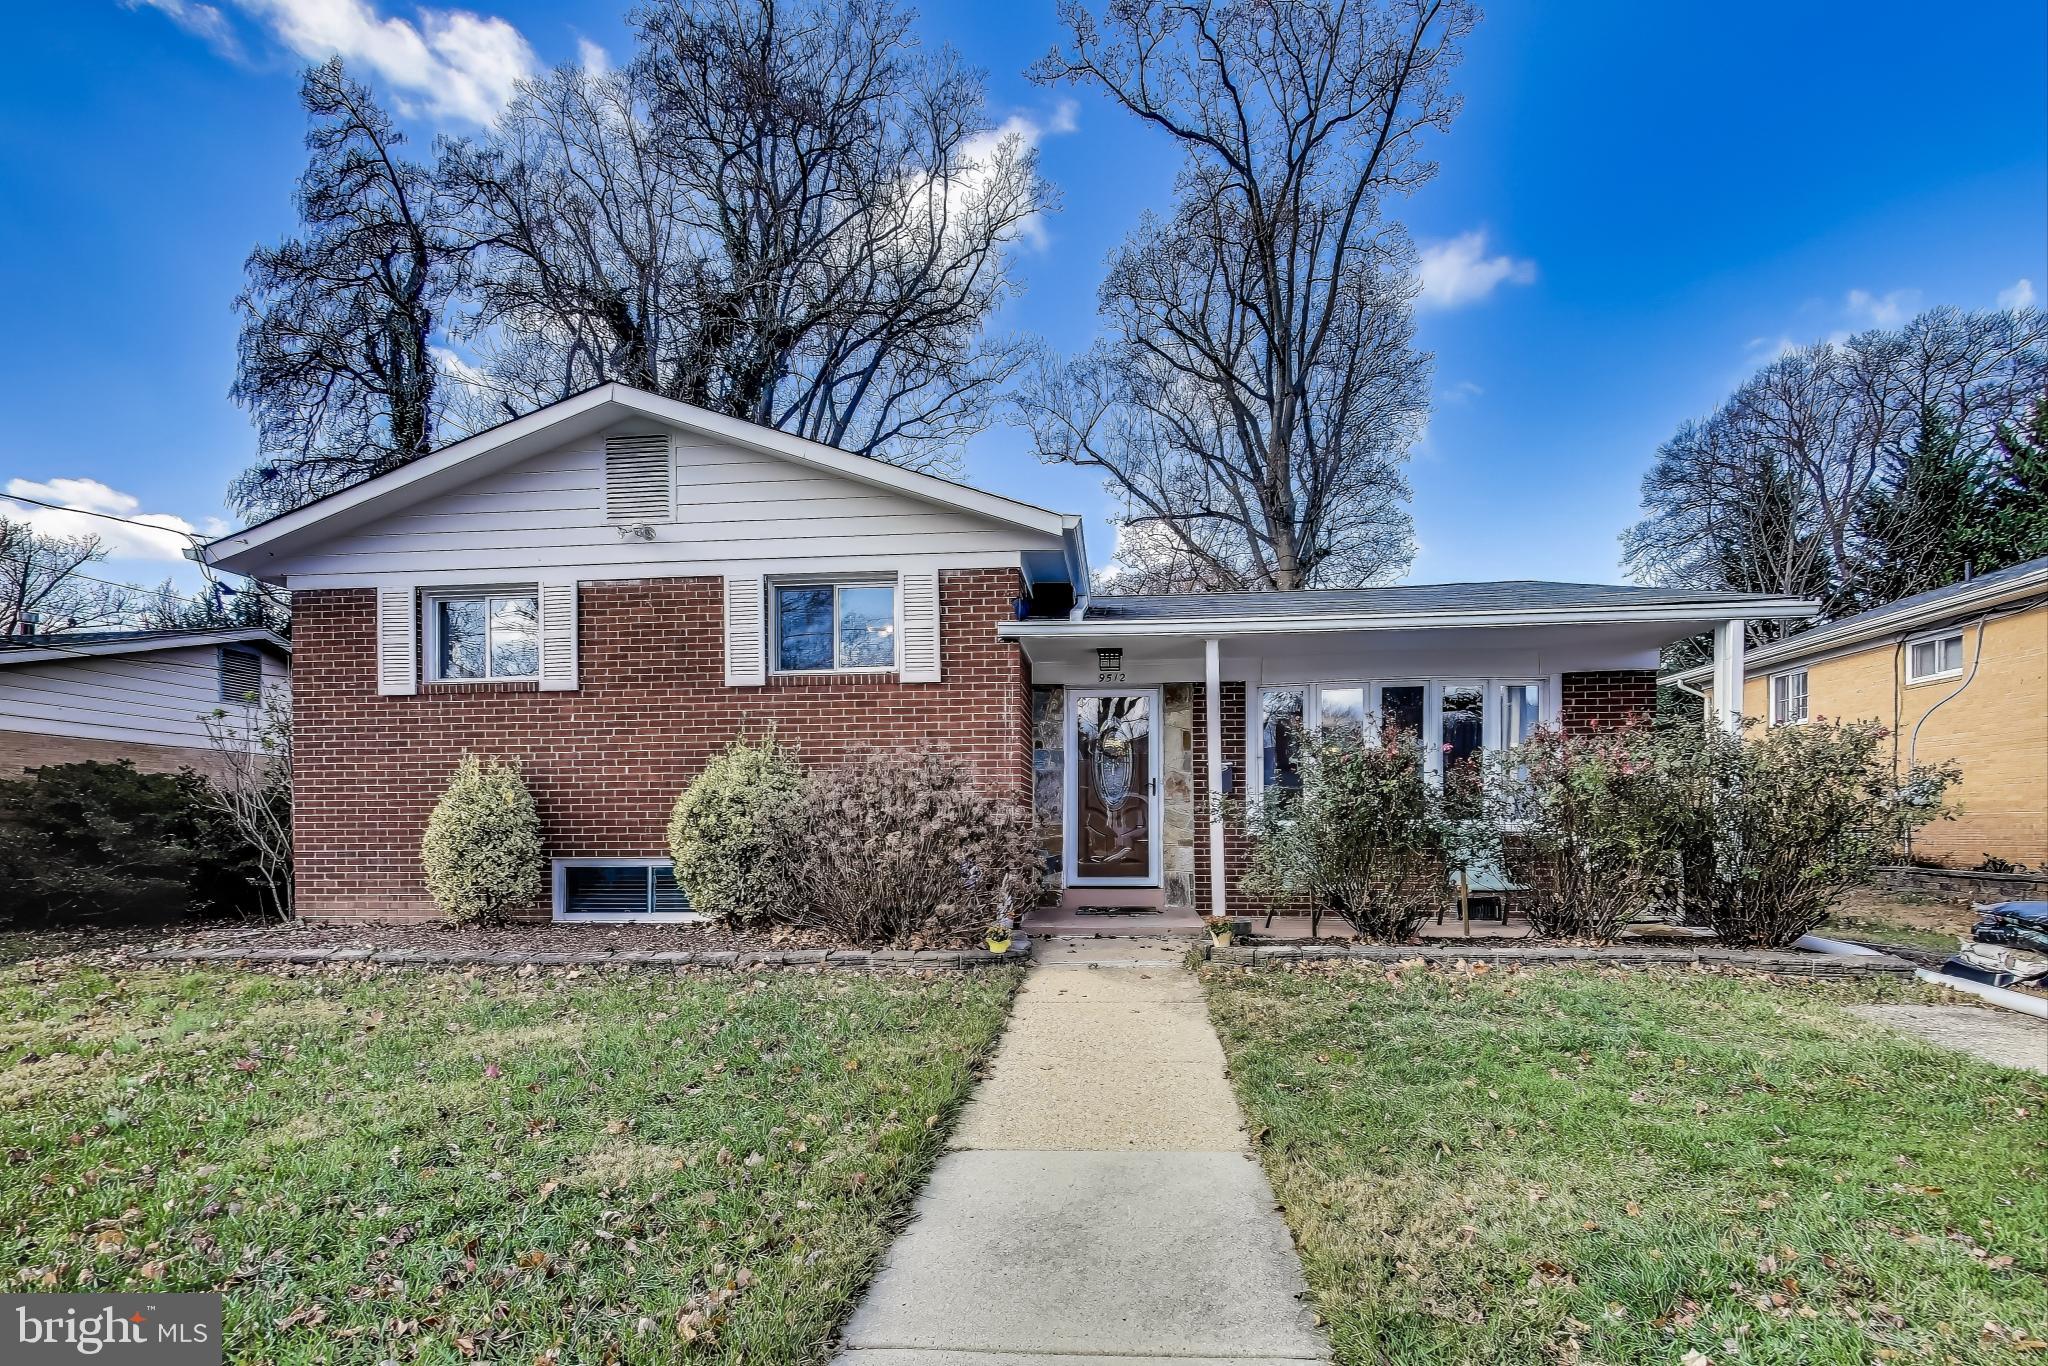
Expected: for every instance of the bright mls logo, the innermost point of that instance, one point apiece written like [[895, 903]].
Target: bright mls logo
[[163, 1330]]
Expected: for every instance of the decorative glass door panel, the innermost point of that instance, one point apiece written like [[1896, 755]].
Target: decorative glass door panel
[[1115, 778]]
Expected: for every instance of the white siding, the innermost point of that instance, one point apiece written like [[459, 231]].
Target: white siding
[[548, 514], [153, 698]]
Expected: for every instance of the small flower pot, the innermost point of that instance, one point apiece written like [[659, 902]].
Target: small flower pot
[[1220, 938], [998, 944]]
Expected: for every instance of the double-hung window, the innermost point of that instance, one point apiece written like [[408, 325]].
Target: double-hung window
[[486, 636], [834, 627], [1935, 657], [1788, 698]]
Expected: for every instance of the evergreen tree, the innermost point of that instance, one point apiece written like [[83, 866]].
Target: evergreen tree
[[1918, 524], [2014, 524]]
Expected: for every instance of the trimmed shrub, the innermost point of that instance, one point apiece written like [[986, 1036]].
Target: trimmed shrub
[[1367, 835], [108, 843], [482, 849], [904, 849], [1782, 820], [721, 834]]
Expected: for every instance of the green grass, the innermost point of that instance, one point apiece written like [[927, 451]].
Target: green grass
[[1555, 1165], [430, 1166]]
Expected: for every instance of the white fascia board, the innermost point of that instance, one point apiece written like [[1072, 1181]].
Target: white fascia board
[[231, 551], [100, 648], [1809, 645], [1402, 621]]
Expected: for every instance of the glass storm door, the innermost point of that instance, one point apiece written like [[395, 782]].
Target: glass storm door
[[1113, 789]]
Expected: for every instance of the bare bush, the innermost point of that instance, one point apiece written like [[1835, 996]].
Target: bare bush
[[904, 849]]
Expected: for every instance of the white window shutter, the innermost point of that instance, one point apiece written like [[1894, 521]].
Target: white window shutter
[[917, 612], [639, 480], [558, 637], [398, 635], [746, 643]]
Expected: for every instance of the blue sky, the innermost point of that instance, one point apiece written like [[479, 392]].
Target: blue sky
[[1637, 205]]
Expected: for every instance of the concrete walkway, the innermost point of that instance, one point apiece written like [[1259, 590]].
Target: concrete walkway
[[1996, 1036], [1100, 1205]]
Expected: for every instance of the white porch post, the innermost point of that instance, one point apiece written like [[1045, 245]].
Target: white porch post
[[1212, 679], [1728, 675]]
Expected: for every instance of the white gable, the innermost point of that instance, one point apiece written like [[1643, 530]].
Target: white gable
[[753, 500]]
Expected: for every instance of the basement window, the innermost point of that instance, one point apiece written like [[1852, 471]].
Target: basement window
[[610, 891]]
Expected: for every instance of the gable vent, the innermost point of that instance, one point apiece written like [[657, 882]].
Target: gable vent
[[638, 479], [241, 675]]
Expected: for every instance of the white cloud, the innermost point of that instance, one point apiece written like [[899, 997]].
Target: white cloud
[[592, 57], [200, 20], [1458, 271], [453, 64], [1464, 391], [1880, 310], [162, 535], [1770, 349], [1028, 132], [2020, 295]]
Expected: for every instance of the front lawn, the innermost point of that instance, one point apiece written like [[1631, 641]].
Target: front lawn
[[435, 1166], [1555, 1165]]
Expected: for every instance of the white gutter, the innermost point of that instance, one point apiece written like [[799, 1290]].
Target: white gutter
[[1407, 621]]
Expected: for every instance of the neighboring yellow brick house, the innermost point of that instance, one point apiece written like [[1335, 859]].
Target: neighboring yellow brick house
[[1956, 673]]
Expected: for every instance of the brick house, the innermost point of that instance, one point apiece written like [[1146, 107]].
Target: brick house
[[612, 588], [1959, 672]]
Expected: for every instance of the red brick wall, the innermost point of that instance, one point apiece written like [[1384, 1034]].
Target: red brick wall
[[1610, 697], [605, 762]]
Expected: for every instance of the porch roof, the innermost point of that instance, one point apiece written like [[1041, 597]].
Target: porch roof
[[1509, 603]]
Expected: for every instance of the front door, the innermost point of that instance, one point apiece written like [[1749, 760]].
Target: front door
[[1113, 788]]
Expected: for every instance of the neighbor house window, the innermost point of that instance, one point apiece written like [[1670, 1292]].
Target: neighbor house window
[[483, 636], [821, 627], [1788, 698], [602, 890], [1934, 657]]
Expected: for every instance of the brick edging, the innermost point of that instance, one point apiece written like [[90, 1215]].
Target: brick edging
[[855, 960], [1774, 961]]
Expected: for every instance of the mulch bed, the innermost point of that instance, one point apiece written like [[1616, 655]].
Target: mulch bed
[[519, 937]]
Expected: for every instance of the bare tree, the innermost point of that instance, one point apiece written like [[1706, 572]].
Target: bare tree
[[780, 210], [336, 361], [1782, 488], [856, 213], [1258, 388], [581, 238], [251, 786], [42, 578]]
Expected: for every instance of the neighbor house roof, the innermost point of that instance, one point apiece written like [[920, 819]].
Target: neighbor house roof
[[583, 414], [1513, 602], [1932, 608], [73, 644]]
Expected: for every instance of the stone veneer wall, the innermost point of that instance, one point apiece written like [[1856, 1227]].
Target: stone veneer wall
[[1176, 737]]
